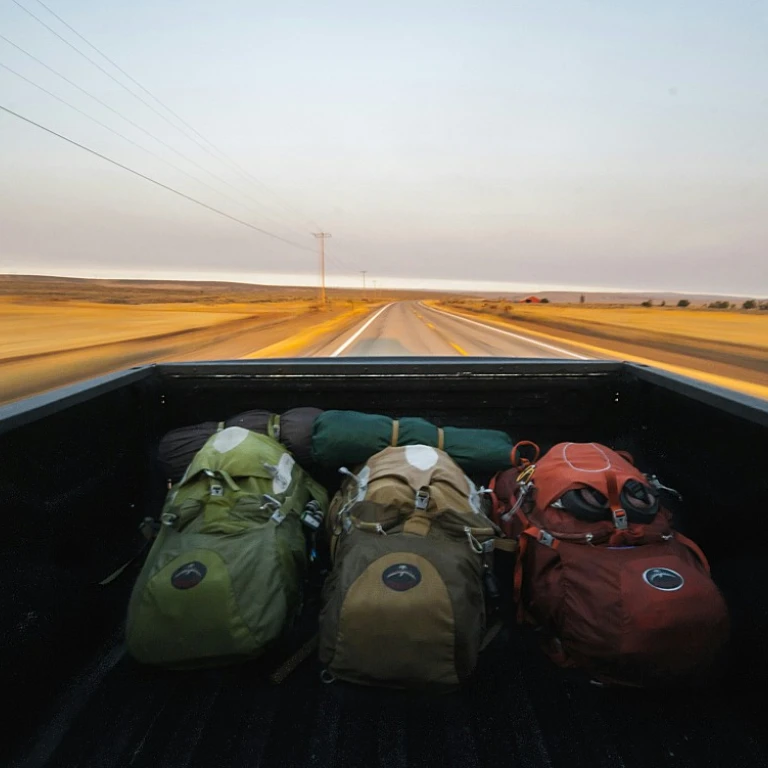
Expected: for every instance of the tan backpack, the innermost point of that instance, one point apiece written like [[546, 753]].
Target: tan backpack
[[404, 605]]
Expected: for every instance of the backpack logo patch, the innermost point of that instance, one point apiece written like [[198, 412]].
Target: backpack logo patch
[[401, 577], [664, 579], [422, 457], [188, 575]]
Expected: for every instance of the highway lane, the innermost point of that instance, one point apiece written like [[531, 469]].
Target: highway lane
[[409, 328]]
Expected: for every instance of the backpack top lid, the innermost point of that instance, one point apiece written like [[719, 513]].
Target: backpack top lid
[[239, 452], [569, 466], [404, 474]]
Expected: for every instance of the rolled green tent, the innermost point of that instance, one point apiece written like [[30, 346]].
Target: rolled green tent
[[348, 437]]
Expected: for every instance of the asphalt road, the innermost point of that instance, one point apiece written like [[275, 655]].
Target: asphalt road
[[408, 328]]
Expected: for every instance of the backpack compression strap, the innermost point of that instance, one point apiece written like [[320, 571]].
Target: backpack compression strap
[[537, 534], [614, 500]]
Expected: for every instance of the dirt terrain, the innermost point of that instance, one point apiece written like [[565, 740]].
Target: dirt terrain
[[44, 290]]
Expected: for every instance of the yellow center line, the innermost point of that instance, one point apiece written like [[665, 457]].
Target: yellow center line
[[459, 349]]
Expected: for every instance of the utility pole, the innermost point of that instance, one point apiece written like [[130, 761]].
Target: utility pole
[[363, 272], [321, 237]]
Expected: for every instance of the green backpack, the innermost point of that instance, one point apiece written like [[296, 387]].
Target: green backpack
[[223, 579]]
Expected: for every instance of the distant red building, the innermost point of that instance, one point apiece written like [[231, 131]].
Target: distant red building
[[530, 300]]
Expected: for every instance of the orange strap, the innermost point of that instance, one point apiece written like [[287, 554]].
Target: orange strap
[[695, 548], [519, 461], [531, 532], [523, 518], [496, 505], [619, 515]]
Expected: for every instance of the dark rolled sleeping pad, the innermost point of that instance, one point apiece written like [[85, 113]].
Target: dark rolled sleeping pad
[[293, 428], [342, 438]]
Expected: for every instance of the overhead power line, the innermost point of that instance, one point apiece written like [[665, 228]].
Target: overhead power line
[[90, 117], [343, 265], [122, 117], [147, 104], [154, 181], [221, 155], [113, 131], [341, 261]]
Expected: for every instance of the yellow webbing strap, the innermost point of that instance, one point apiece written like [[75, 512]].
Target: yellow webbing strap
[[493, 630], [273, 426], [290, 664], [440, 438], [395, 431], [119, 572]]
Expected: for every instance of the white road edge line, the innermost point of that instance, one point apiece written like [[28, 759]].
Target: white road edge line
[[508, 333], [357, 334]]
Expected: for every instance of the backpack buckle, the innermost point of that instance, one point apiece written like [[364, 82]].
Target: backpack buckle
[[422, 499], [547, 539], [620, 520], [312, 516], [149, 528], [273, 505]]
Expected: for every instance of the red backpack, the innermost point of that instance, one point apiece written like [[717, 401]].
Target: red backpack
[[602, 574]]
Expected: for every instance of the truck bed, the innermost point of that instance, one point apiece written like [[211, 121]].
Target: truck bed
[[519, 711], [79, 471]]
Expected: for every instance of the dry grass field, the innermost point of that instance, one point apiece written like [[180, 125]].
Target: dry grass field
[[744, 328], [32, 329], [724, 347], [40, 315], [55, 331]]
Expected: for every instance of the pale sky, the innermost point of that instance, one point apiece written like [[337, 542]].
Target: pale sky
[[609, 143]]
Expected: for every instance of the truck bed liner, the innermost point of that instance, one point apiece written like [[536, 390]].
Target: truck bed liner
[[519, 711]]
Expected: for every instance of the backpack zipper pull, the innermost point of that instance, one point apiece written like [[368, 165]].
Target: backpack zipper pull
[[344, 471], [524, 491], [271, 503], [422, 499], [474, 544]]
